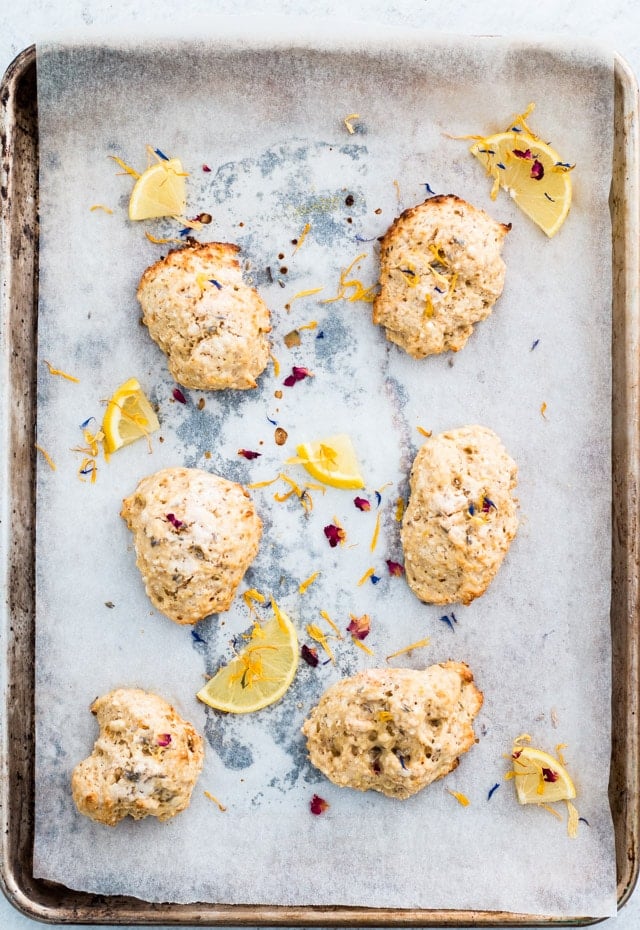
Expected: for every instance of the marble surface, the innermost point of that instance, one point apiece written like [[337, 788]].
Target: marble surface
[[616, 23]]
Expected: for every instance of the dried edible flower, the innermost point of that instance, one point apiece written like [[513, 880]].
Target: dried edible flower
[[534, 344], [347, 122], [318, 805], [47, 457], [163, 739], [208, 794], [304, 585], [449, 621], [248, 454], [537, 170], [206, 169], [370, 573], [362, 503], [357, 642], [100, 206], [179, 396], [297, 374], [395, 568], [376, 533], [60, 373], [303, 235], [493, 790], [173, 520], [319, 637], [420, 644], [460, 798], [309, 654], [335, 534], [520, 154], [359, 627]]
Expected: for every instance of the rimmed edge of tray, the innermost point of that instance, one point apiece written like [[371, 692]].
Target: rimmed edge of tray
[[50, 902]]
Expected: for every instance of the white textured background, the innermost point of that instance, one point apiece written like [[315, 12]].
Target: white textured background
[[616, 23]]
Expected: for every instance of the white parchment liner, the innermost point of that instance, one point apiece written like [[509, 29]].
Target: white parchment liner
[[266, 115]]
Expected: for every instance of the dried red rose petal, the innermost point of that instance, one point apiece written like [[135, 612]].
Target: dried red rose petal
[[206, 168], [248, 454], [297, 374], [520, 154], [309, 654], [362, 503], [179, 396], [549, 775], [164, 739], [335, 534], [537, 170], [360, 627], [173, 520], [318, 805], [395, 568]]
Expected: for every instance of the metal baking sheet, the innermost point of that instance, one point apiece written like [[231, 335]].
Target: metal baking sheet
[[23, 278]]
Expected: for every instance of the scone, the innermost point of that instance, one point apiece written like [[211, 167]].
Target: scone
[[195, 534], [145, 762], [461, 515], [440, 272], [394, 730], [210, 324]]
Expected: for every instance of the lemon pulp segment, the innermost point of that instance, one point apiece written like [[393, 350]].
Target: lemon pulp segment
[[260, 674], [159, 191], [332, 461], [128, 416], [532, 173]]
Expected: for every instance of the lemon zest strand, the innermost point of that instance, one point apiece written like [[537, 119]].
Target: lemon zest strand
[[319, 637], [347, 122], [417, 645], [334, 626], [376, 533], [62, 374], [213, 798], [369, 572], [303, 235], [305, 585], [125, 167], [47, 457], [361, 645]]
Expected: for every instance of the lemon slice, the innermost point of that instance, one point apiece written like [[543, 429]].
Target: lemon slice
[[159, 191], [532, 172], [539, 778], [128, 416], [332, 461], [260, 674]]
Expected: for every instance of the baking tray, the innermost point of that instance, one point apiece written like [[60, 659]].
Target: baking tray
[[52, 902]]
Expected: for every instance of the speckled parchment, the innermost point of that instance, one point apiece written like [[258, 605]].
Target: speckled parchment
[[258, 121]]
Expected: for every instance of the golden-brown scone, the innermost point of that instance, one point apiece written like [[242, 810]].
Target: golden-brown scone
[[461, 515], [195, 535], [394, 730], [210, 324], [145, 762], [440, 272]]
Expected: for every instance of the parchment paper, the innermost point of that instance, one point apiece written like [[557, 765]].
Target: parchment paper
[[264, 111]]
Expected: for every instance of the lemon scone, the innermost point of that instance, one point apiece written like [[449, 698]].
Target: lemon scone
[[195, 535], [211, 325], [145, 761], [461, 515], [440, 272], [394, 730]]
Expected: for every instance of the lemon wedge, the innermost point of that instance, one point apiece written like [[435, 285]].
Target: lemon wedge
[[128, 416], [159, 191], [539, 778], [260, 674], [530, 171], [332, 461]]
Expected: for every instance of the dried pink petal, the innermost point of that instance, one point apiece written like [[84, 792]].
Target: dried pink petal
[[395, 568], [309, 654], [248, 454], [335, 534], [362, 503], [537, 170], [520, 154], [179, 396], [360, 627], [173, 520], [549, 775], [318, 805], [297, 374], [164, 739]]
